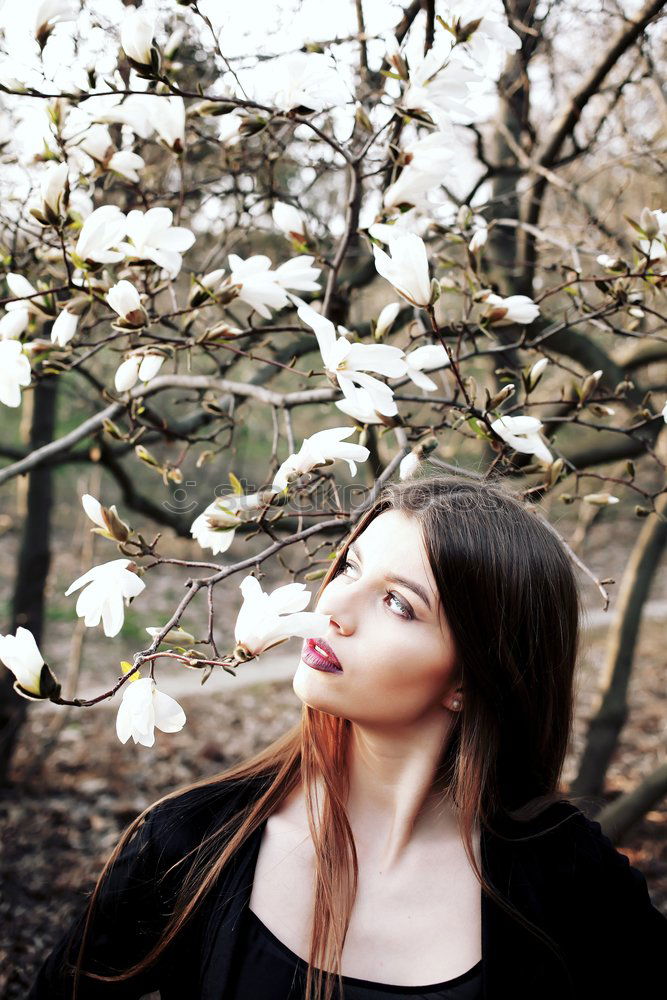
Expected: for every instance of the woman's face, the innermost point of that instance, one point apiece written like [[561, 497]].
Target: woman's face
[[395, 647]]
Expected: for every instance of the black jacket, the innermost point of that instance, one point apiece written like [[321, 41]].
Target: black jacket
[[559, 869]]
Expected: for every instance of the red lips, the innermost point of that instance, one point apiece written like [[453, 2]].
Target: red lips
[[323, 645]]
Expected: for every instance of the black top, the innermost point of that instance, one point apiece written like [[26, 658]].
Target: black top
[[265, 969], [605, 937]]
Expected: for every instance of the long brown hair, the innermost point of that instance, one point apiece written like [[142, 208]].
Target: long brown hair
[[510, 596]]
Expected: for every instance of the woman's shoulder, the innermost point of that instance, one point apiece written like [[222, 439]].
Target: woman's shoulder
[[573, 860]]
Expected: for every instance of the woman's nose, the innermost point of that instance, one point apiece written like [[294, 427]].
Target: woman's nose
[[335, 622]]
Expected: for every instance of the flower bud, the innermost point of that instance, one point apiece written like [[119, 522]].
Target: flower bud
[[649, 223], [535, 373], [589, 384], [176, 636], [500, 397], [600, 499]]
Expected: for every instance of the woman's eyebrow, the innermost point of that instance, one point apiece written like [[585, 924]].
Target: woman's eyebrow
[[414, 587]]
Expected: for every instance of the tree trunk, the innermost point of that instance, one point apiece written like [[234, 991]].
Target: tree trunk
[[32, 566], [607, 723], [514, 131], [621, 814]]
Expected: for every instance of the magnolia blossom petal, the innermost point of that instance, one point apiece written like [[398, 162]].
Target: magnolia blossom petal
[[21, 655], [127, 164], [217, 539], [127, 373], [150, 366], [136, 34], [408, 465], [289, 598], [106, 588], [381, 395], [407, 268], [288, 220], [64, 327], [93, 509], [15, 372], [124, 298], [259, 625], [386, 319], [13, 324]]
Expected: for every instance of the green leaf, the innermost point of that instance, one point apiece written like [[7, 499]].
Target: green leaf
[[236, 485]]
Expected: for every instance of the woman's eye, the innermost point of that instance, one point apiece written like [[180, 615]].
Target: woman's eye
[[405, 611]]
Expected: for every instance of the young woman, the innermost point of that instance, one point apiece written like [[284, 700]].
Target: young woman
[[408, 837]]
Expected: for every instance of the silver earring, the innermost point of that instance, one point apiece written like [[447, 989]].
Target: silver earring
[[456, 703]]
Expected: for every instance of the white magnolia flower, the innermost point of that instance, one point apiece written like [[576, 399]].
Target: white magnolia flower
[[95, 143], [154, 238], [513, 309], [105, 588], [492, 31], [412, 221], [346, 363], [440, 85], [64, 327], [139, 367], [125, 300], [214, 528], [428, 162], [20, 287], [408, 465], [265, 620], [362, 410], [423, 359], [48, 13], [169, 121], [229, 128], [610, 263], [135, 111], [14, 372], [289, 220], [319, 449], [298, 274], [258, 285], [127, 164], [136, 34], [523, 434], [53, 187], [655, 225], [21, 655], [13, 324], [303, 80], [143, 709], [102, 231], [407, 268], [479, 238]]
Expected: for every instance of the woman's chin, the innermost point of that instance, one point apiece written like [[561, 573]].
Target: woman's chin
[[307, 686]]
